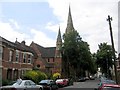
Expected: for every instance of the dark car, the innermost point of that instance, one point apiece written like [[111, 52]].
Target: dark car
[[103, 78], [48, 85], [92, 77], [81, 79]]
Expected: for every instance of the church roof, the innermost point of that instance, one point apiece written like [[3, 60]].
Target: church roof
[[46, 52]]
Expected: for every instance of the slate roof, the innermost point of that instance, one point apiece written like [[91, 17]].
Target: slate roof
[[46, 52], [17, 45]]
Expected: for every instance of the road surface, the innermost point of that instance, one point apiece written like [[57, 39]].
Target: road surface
[[87, 85]]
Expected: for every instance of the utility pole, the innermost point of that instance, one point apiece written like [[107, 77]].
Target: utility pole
[[110, 27]]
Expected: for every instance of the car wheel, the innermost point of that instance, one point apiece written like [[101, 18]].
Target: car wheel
[[40, 89]]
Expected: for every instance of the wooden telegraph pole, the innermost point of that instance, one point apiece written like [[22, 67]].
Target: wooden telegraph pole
[[110, 27]]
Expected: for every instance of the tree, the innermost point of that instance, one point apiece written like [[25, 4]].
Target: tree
[[70, 52], [93, 68], [104, 58], [76, 55]]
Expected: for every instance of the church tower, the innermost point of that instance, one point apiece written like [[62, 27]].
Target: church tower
[[58, 44], [70, 26], [58, 56]]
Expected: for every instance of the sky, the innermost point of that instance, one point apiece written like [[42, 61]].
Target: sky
[[39, 20]]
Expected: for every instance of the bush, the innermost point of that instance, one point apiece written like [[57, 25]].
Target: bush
[[35, 75], [7, 82], [41, 76], [56, 75]]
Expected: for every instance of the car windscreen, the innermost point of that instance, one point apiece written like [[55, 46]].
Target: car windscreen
[[44, 81]]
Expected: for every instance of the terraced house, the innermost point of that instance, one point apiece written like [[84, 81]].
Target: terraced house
[[16, 58]]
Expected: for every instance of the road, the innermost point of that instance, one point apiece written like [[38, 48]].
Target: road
[[87, 85]]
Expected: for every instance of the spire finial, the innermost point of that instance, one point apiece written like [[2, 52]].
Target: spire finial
[[16, 39], [59, 35], [69, 22]]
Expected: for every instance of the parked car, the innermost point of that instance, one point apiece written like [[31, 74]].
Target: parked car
[[106, 81], [62, 82], [48, 85], [103, 78], [109, 87], [23, 85], [87, 78], [92, 77], [81, 79]]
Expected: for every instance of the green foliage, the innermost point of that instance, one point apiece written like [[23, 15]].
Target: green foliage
[[76, 55], [6, 82], [56, 75], [104, 57], [35, 75]]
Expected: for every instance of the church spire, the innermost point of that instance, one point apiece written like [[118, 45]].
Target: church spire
[[69, 22], [59, 39], [58, 44]]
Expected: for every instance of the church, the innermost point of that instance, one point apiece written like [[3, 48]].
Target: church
[[50, 59]]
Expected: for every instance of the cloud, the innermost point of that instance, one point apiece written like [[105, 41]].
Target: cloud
[[52, 27], [23, 0], [89, 19], [41, 39], [14, 23], [8, 32]]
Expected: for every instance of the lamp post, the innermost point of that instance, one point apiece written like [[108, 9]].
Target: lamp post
[[113, 49]]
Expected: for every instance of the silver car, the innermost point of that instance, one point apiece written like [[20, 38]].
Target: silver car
[[23, 85]]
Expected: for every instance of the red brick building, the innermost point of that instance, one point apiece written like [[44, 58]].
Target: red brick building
[[48, 59], [16, 59]]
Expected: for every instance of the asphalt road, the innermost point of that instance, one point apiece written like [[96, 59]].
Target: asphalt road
[[87, 85]]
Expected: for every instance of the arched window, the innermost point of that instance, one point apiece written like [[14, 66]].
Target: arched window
[[38, 65]]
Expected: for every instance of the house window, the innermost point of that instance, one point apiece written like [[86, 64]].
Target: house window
[[17, 55], [9, 74], [48, 60], [24, 58], [53, 60], [29, 59], [22, 72], [119, 63], [11, 55], [1, 52]]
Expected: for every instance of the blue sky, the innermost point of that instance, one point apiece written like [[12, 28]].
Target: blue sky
[[39, 20], [29, 15]]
